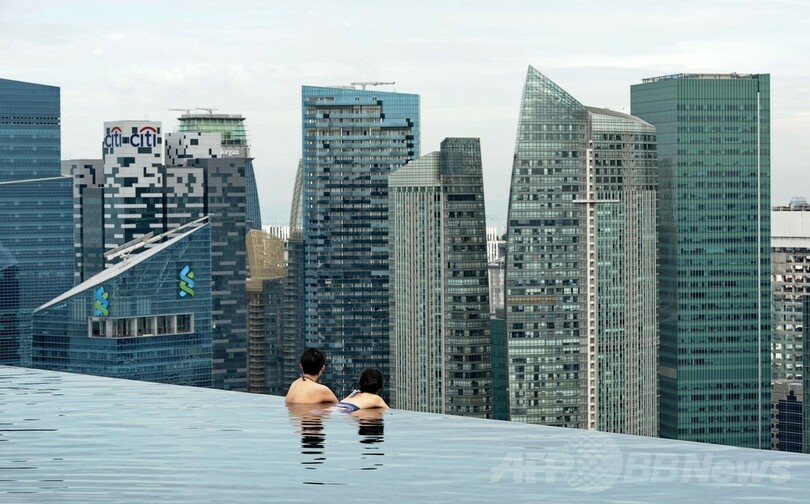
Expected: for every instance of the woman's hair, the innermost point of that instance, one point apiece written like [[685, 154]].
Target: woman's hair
[[371, 380], [312, 360]]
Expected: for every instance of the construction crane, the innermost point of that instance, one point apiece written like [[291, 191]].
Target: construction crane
[[186, 110], [363, 84], [210, 110]]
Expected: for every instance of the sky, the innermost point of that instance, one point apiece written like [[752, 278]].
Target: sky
[[466, 59]]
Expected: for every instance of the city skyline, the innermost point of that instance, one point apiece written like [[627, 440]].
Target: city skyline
[[254, 63]]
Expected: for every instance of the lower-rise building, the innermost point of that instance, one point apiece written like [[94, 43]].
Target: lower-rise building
[[147, 318]]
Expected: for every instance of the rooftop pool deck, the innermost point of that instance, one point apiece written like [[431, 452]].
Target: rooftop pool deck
[[76, 438]]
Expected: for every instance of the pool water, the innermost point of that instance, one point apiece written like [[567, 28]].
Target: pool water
[[77, 438]]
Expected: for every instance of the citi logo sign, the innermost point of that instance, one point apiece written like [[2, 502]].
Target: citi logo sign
[[102, 304], [147, 136], [186, 282]]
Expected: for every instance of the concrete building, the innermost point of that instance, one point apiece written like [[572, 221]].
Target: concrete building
[[439, 311]]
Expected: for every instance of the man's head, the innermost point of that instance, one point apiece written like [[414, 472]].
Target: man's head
[[312, 361], [371, 380]]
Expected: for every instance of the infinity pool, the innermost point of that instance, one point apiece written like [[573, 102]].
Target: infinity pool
[[76, 438]]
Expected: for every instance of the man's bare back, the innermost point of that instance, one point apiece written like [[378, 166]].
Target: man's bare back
[[307, 390]]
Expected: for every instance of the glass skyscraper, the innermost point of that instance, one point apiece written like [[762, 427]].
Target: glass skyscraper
[[88, 215], [580, 304], [36, 212], [234, 142], [352, 140], [714, 243], [147, 318], [441, 358]]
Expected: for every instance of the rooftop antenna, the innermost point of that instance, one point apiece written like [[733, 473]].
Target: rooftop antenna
[[363, 84]]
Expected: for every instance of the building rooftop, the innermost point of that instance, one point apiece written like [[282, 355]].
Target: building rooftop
[[733, 75], [77, 438]]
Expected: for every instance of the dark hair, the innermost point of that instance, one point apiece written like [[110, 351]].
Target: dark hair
[[312, 360], [371, 380]]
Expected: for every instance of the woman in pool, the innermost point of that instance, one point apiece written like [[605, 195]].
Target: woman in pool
[[371, 384]]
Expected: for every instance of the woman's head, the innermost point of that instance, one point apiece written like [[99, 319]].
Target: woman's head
[[371, 381]]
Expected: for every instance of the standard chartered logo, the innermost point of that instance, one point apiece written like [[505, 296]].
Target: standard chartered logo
[[102, 304], [186, 282]]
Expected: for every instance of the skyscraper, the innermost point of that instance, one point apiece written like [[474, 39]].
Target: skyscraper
[[224, 203], [790, 282], [293, 320], [352, 140], [714, 244], [440, 330], [265, 289], [88, 215], [36, 214], [581, 266], [233, 142], [133, 176]]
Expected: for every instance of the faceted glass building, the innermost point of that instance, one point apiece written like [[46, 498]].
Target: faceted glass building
[[147, 318], [352, 140], [580, 304], [714, 243], [440, 331], [36, 212]]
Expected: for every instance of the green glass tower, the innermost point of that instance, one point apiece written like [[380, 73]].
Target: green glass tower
[[580, 303], [714, 248]]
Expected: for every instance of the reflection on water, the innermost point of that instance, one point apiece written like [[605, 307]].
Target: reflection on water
[[371, 429], [313, 438], [311, 422]]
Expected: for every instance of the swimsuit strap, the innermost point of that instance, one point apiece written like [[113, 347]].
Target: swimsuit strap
[[304, 378], [354, 393]]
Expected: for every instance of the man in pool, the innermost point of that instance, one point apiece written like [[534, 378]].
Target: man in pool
[[371, 384], [307, 389]]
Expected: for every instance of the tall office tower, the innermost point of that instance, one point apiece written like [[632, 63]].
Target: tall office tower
[[133, 177], [36, 214], [146, 318], [714, 250], [790, 281], [352, 140], [224, 182], [265, 288], [581, 267], [440, 330], [233, 143], [293, 340], [786, 416], [806, 377], [88, 215]]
